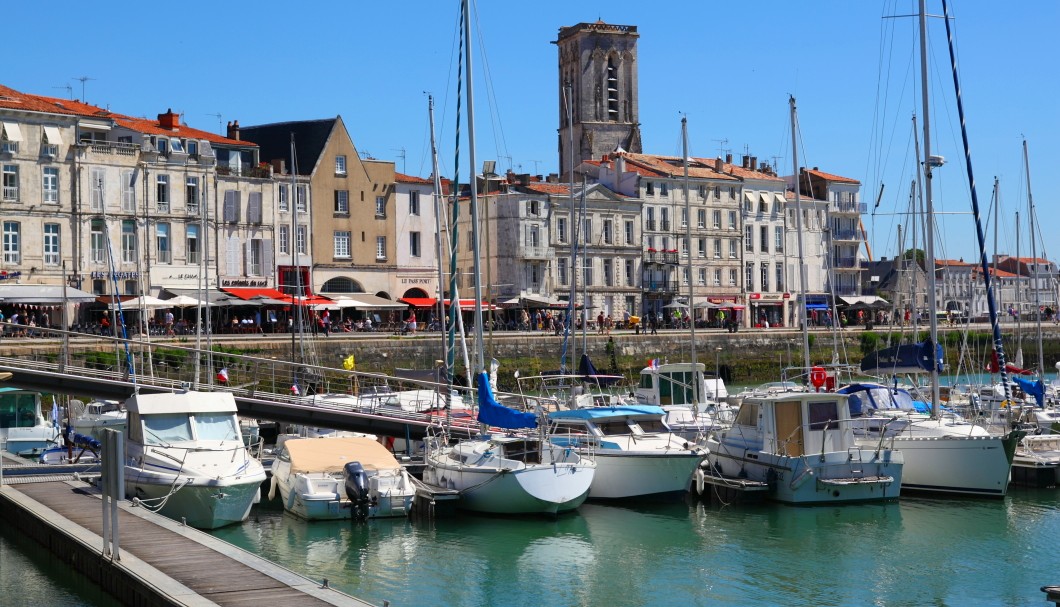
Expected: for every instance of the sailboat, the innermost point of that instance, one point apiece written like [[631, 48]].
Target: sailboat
[[516, 470], [941, 456], [799, 447]]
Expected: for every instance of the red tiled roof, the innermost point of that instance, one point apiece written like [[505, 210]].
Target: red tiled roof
[[745, 173], [403, 178], [790, 195], [830, 177], [1024, 259], [673, 166], [151, 127], [957, 263], [548, 188], [976, 270]]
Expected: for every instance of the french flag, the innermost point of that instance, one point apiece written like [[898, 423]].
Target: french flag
[[294, 389], [222, 375], [654, 364]]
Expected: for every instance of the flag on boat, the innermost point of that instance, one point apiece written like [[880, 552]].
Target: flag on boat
[[295, 390], [349, 363], [55, 412], [222, 375], [654, 364]]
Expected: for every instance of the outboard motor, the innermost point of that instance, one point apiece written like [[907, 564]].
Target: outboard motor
[[356, 481]]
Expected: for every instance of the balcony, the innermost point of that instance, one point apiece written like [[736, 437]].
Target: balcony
[[846, 235], [846, 263], [649, 224], [119, 148], [535, 252], [660, 286], [664, 225], [847, 290], [661, 257], [850, 207]]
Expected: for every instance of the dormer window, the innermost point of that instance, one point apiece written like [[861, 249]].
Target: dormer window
[[176, 146], [162, 145], [193, 148]]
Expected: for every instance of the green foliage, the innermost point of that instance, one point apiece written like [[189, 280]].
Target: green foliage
[[870, 342]]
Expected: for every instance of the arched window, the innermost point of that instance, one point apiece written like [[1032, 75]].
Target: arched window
[[342, 284], [612, 90]]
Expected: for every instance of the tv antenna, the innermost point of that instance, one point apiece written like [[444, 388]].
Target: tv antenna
[[509, 162], [401, 155], [721, 146], [218, 117], [83, 79], [69, 90], [535, 165]]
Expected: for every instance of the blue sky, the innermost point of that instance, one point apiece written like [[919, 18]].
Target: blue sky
[[729, 66]]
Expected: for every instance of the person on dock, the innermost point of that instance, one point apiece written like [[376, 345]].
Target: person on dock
[[169, 322]]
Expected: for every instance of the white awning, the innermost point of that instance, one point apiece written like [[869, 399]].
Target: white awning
[[750, 196], [12, 132], [364, 301], [53, 135], [43, 294], [865, 299], [780, 198]]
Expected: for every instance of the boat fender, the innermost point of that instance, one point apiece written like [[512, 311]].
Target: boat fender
[[700, 481], [272, 488], [356, 482], [801, 478]]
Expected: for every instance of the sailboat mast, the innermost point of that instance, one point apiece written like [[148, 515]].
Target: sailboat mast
[[691, 302], [438, 243], [572, 307], [798, 237], [480, 347], [1031, 222], [929, 237]]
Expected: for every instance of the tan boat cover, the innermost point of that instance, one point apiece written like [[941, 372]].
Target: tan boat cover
[[331, 454]]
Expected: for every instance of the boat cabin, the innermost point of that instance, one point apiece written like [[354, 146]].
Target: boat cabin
[[795, 424], [182, 417], [676, 384]]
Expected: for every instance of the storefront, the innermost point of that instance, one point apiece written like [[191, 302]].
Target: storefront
[[766, 309]]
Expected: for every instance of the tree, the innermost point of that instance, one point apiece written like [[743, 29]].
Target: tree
[[917, 254]]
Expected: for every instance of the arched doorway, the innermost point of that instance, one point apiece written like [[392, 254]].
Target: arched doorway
[[415, 292], [342, 284]]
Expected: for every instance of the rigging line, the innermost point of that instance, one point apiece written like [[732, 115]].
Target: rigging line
[[495, 115], [454, 49], [454, 310]]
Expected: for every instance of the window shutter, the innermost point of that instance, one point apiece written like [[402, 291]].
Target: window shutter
[[254, 208], [232, 254], [248, 256], [229, 204], [267, 267]]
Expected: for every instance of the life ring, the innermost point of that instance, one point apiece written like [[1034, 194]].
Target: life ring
[[817, 376], [1007, 403]]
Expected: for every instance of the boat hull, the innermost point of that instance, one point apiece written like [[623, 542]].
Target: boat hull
[[325, 505], [201, 504], [539, 489], [956, 465], [630, 474]]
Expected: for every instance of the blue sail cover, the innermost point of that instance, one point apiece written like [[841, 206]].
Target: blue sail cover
[[1034, 388], [492, 413], [588, 371], [905, 358]]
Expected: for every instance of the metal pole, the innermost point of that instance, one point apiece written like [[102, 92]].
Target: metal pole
[[798, 237], [691, 290], [477, 261]]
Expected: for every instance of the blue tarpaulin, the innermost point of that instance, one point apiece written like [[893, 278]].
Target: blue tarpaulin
[[492, 413], [1034, 388]]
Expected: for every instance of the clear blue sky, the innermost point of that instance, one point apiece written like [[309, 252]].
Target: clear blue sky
[[729, 66]]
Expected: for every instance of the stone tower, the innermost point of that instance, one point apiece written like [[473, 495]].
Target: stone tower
[[599, 60]]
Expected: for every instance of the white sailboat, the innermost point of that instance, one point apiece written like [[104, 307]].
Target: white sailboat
[[506, 472], [185, 457]]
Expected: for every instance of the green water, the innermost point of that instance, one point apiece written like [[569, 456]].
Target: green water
[[911, 552], [31, 577]]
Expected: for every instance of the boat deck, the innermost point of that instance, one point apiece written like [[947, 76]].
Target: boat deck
[[161, 561]]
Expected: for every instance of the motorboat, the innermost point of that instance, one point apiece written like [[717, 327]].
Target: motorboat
[[943, 453], [311, 476], [800, 447], [1037, 461], [692, 403], [91, 418], [516, 470], [24, 430], [637, 455], [185, 457]]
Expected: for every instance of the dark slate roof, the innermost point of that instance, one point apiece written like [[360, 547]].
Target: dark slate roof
[[274, 141]]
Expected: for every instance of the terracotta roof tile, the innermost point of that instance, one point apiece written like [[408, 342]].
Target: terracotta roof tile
[[403, 178], [548, 188], [830, 177]]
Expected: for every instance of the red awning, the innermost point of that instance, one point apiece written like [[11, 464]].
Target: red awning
[[251, 294], [469, 304], [419, 302]]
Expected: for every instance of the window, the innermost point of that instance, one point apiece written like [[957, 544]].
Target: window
[[380, 207], [340, 165], [780, 277], [281, 192], [732, 221], [51, 244], [664, 189], [96, 184], [191, 195], [193, 148], [629, 232], [732, 192], [664, 219], [630, 273], [342, 244], [684, 276], [684, 218], [533, 236], [587, 228], [301, 239], [608, 231], [778, 239], [702, 247], [717, 220], [732, 249], [232, 204], [255, 257], [732, 277], [717, 248], [414, 202], [701, 219], [684, 247], [128, 241], [162, 248], [763, 205], [380, 248], [717, 277], [763, 238], [533, 207], [50, 185], [702, 277], [285, 240], [414, 244], [702, 191], [342, 202], [163, 193], [717, 192], [96, 241], [300, 193], [562, 269], [764, 274], [561, 229], [12, 231], [749, 276], [649, 189], [587, 272], [11, 182], [748, 239], [192, 245], [609, 277]]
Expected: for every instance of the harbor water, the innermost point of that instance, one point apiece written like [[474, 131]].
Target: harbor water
[[915, 551]]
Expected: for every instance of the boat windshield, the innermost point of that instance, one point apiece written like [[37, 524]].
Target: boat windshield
[[216, 426], [165, 428], [653, 426], [18, 410], [881, 398], [614, 428]]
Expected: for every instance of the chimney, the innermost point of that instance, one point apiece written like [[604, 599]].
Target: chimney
[[169, 120], [743, 161], [753, 163], [728, 159], [279, 166], [620, 167], [233, 130], [719, 165]]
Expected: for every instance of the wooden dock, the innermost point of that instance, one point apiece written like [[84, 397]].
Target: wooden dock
[[161, 561]]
